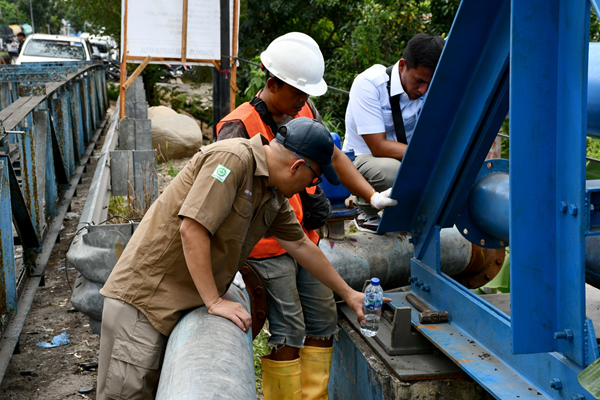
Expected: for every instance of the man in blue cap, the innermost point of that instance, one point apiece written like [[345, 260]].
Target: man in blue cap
[[194, 238]]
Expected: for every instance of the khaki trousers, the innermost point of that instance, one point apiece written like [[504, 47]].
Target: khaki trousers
[[131, 353], [380, 172]]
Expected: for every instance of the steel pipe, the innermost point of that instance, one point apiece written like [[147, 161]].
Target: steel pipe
[[364, 255], [196, 366]]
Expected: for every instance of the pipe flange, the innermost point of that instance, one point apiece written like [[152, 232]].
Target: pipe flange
[[464, 222], [255, 286], [483, 267]]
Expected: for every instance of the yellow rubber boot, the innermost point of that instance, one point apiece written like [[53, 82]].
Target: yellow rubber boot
[[316, 363], [281, 380]]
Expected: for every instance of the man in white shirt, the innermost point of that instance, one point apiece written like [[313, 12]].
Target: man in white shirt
[[378, 142]]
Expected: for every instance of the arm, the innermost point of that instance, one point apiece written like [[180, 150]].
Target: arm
[[380, 146], [349, 175], [195, 239], [314, 261]]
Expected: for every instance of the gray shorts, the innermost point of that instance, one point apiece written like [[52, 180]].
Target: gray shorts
[[299, 305]]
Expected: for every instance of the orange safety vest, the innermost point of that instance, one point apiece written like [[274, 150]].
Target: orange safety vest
[[268, 247]]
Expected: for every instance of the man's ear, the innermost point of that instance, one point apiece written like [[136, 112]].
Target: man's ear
[[296, 166], [401, 65], [272, 85]]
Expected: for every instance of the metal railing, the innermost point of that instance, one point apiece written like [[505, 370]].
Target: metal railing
[[51, 116]]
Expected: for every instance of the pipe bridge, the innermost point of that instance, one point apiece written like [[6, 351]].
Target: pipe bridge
[[51, 116]]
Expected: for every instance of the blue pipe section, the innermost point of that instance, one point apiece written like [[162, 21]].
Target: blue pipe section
[[489, 211], [489, 205]]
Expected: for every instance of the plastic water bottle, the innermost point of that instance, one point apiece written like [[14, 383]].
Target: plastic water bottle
[[372, 308]]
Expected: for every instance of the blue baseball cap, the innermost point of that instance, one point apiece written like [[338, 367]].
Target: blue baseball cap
[[312, 140]]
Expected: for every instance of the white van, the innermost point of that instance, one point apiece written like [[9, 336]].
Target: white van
[[48, 48]]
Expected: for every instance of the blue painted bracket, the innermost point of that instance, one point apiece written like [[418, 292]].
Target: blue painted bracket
[[8, 280]]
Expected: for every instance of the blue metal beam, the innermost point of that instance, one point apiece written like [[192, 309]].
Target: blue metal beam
[[8, 280], [547, 161]]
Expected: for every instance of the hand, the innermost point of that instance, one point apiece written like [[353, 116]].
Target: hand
[[239, 281], [232, 311], [382, 200], [355, 300]]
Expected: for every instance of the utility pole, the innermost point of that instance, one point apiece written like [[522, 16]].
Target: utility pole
[[31, 12]]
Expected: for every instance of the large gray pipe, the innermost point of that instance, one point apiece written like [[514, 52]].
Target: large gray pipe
[[209, 357], [365, 255]]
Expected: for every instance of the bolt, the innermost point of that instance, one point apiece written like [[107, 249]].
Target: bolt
[[563, 206], [566, 334], [502, 243], [419, 283], [573, 209], [578, 397], [425, 288], [482, 242], [466, 231], [489, 165], [556, 384]]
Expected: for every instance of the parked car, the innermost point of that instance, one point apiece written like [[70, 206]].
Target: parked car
[[48, 48]]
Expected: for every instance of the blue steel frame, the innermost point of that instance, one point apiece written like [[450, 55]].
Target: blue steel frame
[[547, 41], [51, 133]]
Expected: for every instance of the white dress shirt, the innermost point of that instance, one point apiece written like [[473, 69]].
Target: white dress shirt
[[369, 110]]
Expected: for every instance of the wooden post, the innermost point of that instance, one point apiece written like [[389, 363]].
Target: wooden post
[[184, 24], [123, 66], [136, 73], [234, 50]]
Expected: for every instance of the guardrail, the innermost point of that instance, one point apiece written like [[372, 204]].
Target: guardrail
[[51, 117]]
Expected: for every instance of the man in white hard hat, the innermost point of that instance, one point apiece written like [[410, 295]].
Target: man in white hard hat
[[302, 313]]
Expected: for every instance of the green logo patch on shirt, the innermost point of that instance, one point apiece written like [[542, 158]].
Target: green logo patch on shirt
[[221, 173]]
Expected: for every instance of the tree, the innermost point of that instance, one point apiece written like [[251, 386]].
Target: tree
[[100, 16], [11, 14]]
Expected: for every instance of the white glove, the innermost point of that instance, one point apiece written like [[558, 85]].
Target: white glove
[[382, 200], [239, 281]]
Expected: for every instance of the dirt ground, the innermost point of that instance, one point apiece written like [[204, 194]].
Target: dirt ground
[[64, 372]]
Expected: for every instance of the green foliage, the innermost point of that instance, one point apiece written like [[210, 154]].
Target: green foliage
[[334, 124], [352, 35], [172, 171], [256, 81], [12, 14], [594, 27], [442, 15], [101, 16], [179, 102], [261, 348], [112, 89], [593, 151]]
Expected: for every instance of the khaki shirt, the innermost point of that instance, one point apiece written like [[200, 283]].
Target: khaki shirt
[[224, 188]]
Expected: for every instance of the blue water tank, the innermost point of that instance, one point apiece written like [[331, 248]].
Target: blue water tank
[[336, 194]]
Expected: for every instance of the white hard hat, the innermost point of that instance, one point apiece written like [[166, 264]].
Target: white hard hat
[[296, 59]]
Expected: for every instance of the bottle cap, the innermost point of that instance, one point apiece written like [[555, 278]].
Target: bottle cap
[[375, 281]]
